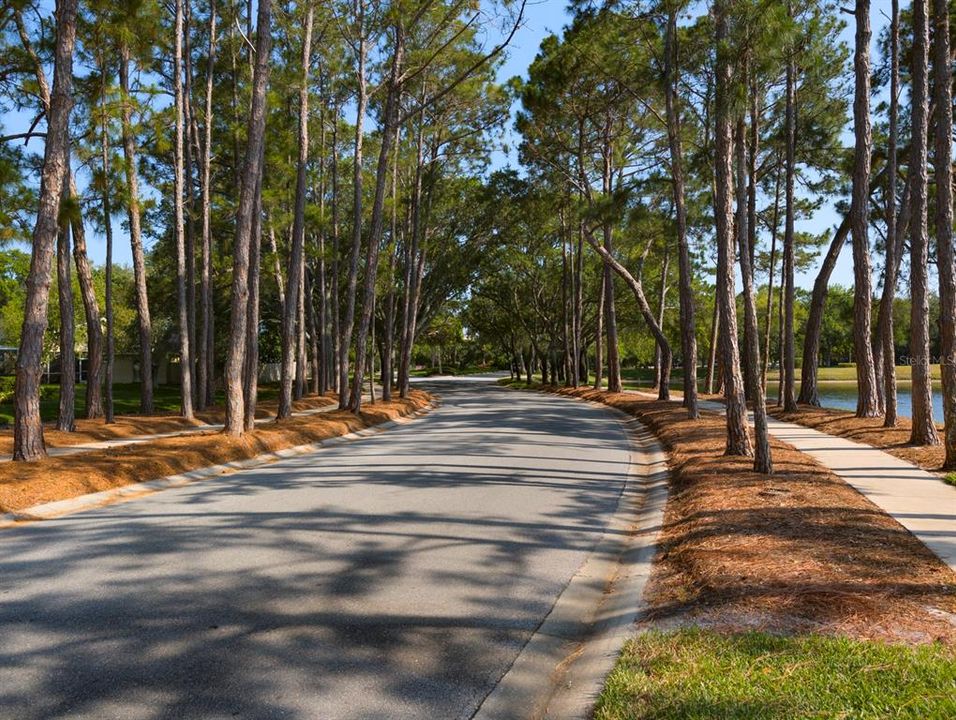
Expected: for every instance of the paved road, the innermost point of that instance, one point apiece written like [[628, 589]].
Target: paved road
[[394, 577]]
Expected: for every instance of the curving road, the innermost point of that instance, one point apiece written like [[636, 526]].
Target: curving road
[[397, 576]]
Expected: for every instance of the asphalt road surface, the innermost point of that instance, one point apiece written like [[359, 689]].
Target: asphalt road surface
[[393, 577]]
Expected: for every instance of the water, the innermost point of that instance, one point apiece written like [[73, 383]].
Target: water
[[842, 396]]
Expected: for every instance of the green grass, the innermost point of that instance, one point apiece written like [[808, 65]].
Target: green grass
[[695, 674], [950, 479], [125, 400], [847, 373]]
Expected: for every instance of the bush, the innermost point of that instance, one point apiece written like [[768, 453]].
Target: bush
[[47, 392]]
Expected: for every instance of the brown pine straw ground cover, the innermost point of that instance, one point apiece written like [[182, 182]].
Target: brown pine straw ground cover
[[869, 431], [57, 478], [127, 426], [797, 552]]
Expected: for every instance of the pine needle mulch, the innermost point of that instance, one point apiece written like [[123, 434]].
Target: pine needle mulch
[[799, 551], [57, 478], [128, 426], [869, 431]]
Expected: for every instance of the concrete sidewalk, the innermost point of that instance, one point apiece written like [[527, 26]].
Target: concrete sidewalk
[[918, 500]]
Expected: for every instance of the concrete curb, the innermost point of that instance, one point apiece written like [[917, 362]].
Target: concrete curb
[[90, 501], [561, 669]]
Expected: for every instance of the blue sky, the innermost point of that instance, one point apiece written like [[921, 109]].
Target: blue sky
[[542, 17]]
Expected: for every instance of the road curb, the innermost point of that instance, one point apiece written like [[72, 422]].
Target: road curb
[[90, 501], [561, 669]]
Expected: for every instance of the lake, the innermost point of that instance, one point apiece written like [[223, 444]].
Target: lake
[[842, 396]]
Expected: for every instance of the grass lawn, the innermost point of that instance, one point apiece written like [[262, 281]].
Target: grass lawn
[[690, 674], [847, 373], [125, 400]]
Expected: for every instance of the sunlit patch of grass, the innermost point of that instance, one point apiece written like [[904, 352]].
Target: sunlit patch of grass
[[696, 674]]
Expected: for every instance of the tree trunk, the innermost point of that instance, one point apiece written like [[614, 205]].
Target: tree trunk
[[66, 418], [712, 353], [301, 360], [247, 212], [782, 375], [770, 275], [788, 361], [250, 378], [867, 402], [610, 311], [942, 164], [414, 267], [336, 310], [688, 311], [313, 342], [190, 157], [738, 440], [185, 356], [136, 240], [390, 309], [319, 323], [741, 220], [371, 359], [277, 268], [91, 309], [565, 318], [205, 370], [885, 329], [877, 349], [389, 131], [580, 376], [28, 427], [663, 392], [291, 307], [349, 320], [108, 226], [809, 394], [94, 401], [763, 460], [661, 305], [599, 338], [924, 429]]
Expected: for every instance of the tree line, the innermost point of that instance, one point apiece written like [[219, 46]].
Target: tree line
[[319, 192], [305, 172], [675, 148]]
